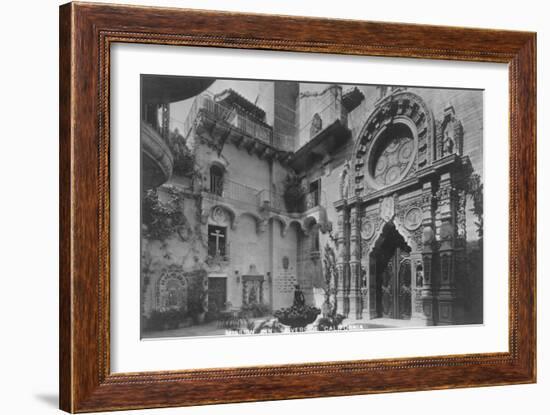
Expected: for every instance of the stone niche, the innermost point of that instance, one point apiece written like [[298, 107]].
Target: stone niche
[[174, 287]]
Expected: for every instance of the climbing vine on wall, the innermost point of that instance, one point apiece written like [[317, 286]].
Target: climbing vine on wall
[[161, 220], [184, 159], [475, 190], [329, 271]]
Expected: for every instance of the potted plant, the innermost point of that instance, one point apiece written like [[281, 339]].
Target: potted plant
[[297, 317], [293, 193]]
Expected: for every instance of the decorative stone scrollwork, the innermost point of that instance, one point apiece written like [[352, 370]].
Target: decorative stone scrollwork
[[417, 237], [443, 193], [438, 139], [461, 215]]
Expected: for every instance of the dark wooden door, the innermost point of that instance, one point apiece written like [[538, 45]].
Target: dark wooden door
[[217, 294], [394, 286]]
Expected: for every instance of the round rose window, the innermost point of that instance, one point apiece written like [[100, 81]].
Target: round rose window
[[392, 155]]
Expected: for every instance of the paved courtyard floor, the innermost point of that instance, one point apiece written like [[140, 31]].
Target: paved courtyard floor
[[207, 329], [214, 329]]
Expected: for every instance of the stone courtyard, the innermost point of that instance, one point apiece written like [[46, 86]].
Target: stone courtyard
[[365, 201]]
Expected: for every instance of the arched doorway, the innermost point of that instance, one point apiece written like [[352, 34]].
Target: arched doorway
[[391, 270]]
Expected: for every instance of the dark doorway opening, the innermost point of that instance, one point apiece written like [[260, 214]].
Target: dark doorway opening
[[217, 294]]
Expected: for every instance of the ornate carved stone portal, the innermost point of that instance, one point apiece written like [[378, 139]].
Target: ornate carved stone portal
[[401, 256]]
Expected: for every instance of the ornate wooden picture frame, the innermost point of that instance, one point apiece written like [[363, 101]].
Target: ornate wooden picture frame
[[87, 32]]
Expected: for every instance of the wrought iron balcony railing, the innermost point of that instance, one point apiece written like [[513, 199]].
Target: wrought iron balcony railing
[[276, 201], [229, 189], [313, 199], [205, 103]]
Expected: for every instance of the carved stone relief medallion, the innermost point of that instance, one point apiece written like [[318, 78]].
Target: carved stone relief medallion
[[219, 216], [413, 218], [368, 228]]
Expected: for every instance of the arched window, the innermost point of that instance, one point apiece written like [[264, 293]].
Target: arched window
[[216, 180]]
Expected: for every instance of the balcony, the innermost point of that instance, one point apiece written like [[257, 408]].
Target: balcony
[[323, 127], [228, 189], [157, 159], [313, 199], [276, 202], [226, 123]]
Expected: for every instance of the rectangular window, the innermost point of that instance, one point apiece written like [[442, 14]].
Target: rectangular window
[[217, 240], [314, 193], [216, 180]]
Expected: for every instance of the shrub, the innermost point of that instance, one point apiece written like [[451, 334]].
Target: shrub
[[270, 324], [166, 319], [330, 322], [254, 310]]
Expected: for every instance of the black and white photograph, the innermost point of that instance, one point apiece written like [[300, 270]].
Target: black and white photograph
[[290, 206], [275, 207]]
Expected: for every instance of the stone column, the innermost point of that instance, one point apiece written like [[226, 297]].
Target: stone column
[[448, 308], [462, 277], [428, 240], [365, 288], [354, 263], [341, 257], [165, 127], [417, 282]]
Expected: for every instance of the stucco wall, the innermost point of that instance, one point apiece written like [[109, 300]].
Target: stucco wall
[[284, 276], [324, 100]]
